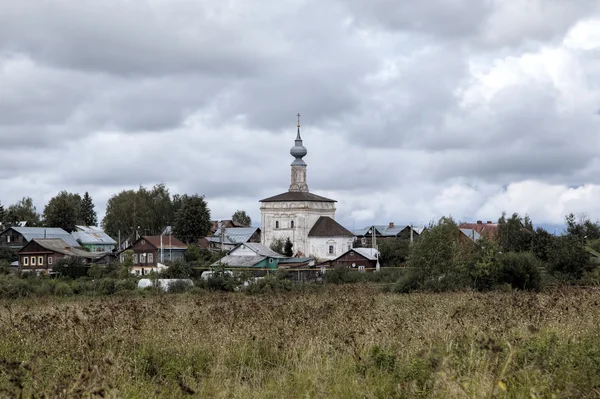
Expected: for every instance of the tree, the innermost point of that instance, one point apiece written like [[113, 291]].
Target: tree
[[569, 257], [241, 218], [543, 244], [515, 234], [23, 211], [394, 251], [288, 248], [63, 211], [2, 213], [581, 227], [145, 211], [278, 245], [192, 221], [87, 214]]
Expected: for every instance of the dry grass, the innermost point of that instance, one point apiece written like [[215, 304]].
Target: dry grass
[[345, 342]]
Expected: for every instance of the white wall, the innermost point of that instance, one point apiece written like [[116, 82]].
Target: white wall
[[319, 246], [303, 214]]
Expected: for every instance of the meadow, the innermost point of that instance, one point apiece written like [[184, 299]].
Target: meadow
[[348, 341]]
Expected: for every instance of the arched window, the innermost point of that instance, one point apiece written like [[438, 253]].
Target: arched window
[[277, 224], [292, 224]]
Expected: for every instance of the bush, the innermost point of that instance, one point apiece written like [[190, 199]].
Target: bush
[[106, 286], [520, 270], [4, 267], [128, 284], [72, 267], [62, 289], [13, 287], [569, 257], [342, 275], [221, 281], [268, 285], [179, 286]]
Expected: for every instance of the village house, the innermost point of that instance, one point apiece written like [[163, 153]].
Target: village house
[[17, 237], [149, 252], [228, 238], [94, 239], [361, 259], [39, 255], [364, 236], [488, 230], [250, 255]]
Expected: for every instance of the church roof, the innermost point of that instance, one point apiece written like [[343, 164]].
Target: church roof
[[297, 196], [327, 227]]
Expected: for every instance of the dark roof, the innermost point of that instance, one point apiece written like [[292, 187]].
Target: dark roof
[[327, 227], [155, 242], [61, 247], [297, 196]]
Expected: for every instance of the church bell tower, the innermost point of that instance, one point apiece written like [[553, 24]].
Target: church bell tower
[[298, 151]]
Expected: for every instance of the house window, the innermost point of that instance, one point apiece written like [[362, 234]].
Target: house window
[[49, 260], [40, 260], [7, 238], [150, 258], [292, 224], [361, 268], [33, 261], [143, 242], [331, 250], [26, 261], [135, 258], [142, 258], [277, 224]]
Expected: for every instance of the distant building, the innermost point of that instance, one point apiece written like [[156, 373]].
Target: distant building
[[148, 252], [488, 230], [94, 239], [250, 255], [40, 255], [364, 236], [17, 237], [360, 259], [294, 214], [231, 237]]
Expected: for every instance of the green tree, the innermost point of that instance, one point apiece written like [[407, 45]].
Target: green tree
[[394, 251], [241, 218], [278, 245], [63, 211], [87, 214], [569, 257], [542, 244], [515, 234], [192, 221], [148, 210], [288, 248], [582, 228], [23, 211], [2, 214]]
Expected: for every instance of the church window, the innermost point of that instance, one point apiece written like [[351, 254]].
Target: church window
[[277, 224], [292, 224], [331, 250]]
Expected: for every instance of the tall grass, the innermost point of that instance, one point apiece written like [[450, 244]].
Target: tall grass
[[342, 341]]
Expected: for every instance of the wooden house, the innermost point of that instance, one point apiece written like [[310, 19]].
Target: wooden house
[[149, 251], [39, 255]]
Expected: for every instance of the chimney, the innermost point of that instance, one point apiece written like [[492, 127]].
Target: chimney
[[489, 222], [479, 222], [391, 225]]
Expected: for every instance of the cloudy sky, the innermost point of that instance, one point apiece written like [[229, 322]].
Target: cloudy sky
[[410, 110]]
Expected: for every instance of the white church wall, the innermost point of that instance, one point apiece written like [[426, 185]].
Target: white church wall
[[319, 246]]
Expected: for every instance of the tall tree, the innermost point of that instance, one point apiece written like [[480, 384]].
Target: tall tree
[[87, 214], [515, 233], [241, 218], [23, 211], [63, 211], [145, 211], [581, 227], [2, 213], [288, 248], [192, 221]]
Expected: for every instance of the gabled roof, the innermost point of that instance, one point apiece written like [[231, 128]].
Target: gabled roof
[[297, 196], [235, 234], [168, 242], [31, 233], [61, 247], [471, 233], [240, 261], [369, 253], [485, 229], [386, 231], [92, 235], [259, 249], [327, 227]]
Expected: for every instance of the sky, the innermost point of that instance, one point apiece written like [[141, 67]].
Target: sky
[[410, 110]]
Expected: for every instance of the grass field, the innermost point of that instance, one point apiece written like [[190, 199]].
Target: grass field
[[344, 342]]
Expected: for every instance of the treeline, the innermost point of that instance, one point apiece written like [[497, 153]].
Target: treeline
[[439, 260], [146, 211]]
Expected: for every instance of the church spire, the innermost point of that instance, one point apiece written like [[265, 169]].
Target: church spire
[[298, 151]]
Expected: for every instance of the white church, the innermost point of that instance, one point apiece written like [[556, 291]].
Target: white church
[[307, 219]]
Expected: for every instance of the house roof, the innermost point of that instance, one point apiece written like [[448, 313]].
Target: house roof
[[92, 236], [369, 253], [327, 227], [239, 260], [296, 196], [260, 249], [168, 242], [471, 233], [61, 247], [31, 233], [488, 229], [386, 231], [236, 234]]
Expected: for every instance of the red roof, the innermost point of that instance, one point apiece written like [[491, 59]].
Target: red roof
[[485, 229], [168, 242]]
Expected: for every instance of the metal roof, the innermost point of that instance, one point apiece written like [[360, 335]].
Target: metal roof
[[386, 231], [471, 233], [32, 233], [235, 234], [92, 236], [60, 246], [239, 260], [369, 253], [262, 250]]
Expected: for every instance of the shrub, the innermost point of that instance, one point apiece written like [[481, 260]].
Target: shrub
[[4, 267], [342, 275], [520, 270], [268, 285], [569, 257], [72, 267], [179, 286], [62, 289], [106, 286], [128, 284]]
